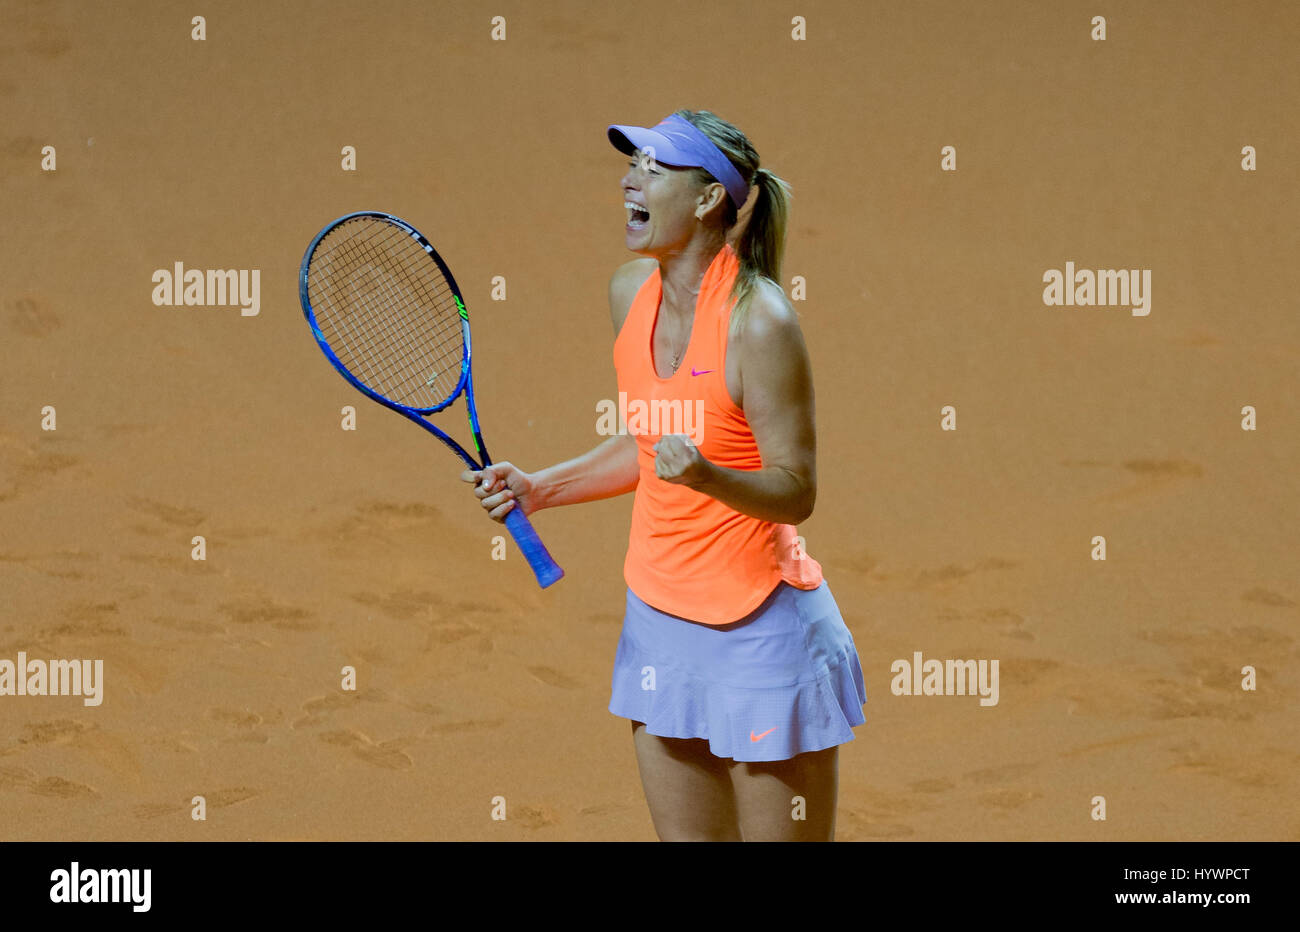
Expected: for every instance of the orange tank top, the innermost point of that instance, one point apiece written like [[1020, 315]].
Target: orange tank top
[[689, 554]]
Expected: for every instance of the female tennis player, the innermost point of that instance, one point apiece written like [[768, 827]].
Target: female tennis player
[[734, 666]]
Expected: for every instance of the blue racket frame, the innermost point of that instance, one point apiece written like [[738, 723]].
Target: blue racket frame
[[546, 569]]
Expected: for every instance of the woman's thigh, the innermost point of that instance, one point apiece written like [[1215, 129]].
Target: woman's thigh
[[689, 791], [788, 800]]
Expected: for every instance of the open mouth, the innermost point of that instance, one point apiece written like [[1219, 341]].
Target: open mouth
[[637, 216]]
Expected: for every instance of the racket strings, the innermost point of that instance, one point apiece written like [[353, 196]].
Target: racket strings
[[385, 334], [388, 328], [387, 312], [390, 306]]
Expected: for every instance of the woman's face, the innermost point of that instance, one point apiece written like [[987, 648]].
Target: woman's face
[[661, 203]]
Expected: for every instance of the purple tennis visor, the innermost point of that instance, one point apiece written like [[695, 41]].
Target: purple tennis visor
[[675, 141]]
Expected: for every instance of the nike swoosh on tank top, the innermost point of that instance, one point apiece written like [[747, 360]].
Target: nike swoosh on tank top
[[688, 553]]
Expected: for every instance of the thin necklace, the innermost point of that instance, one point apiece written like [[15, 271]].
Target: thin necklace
[[677, 356]]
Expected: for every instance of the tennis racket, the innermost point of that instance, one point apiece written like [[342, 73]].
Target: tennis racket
[[388, 316]]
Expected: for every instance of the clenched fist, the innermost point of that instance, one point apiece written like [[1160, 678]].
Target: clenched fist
[[678, 460]]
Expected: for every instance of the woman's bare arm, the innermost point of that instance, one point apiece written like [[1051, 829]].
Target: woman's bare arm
[[607, 470], [776, 381]]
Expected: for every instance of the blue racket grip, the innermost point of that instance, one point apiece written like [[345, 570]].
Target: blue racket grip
[[546, 569]]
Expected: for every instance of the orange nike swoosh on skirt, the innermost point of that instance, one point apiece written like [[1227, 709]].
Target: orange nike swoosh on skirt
[[762, 736]]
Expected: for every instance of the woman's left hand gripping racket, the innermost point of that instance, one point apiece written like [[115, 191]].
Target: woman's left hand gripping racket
[[387, 313]]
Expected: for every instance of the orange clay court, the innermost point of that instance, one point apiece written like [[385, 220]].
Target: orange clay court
[[922, 288]]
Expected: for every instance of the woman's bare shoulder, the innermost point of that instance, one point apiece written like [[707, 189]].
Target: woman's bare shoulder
[[770, 313], [623, 286]]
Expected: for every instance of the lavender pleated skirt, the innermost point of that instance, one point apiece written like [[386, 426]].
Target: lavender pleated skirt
[[781, 681]]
